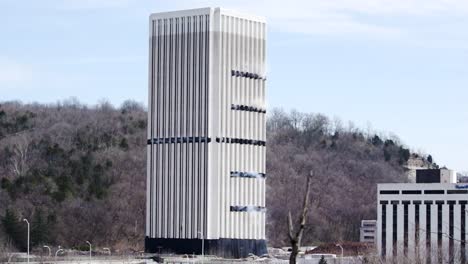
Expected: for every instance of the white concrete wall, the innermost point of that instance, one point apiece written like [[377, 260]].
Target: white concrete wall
[[192, 123], [448, 176], [368, 229], [242, 48], [178, 110], [452, 195]]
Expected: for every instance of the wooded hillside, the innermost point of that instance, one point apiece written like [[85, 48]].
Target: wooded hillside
[[79, 173]]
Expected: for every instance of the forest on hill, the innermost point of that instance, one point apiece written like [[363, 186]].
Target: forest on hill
[[79, 173]]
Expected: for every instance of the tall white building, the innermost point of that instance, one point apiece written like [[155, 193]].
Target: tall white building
[[422, 222], [206, 133]]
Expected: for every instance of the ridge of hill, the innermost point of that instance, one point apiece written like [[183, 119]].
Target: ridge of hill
[[79, 173]]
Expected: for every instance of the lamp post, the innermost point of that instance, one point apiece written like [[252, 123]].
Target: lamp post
[[26, 220], [202, 245], [50, 253], [90, 248], [338, 245], [56, 252]]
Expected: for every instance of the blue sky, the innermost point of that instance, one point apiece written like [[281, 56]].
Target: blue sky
[[396, 66]]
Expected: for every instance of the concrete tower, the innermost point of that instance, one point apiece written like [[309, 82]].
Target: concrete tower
[[206, 133]]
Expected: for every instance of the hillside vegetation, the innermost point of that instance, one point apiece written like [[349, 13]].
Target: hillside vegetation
[[346, 162], [79, 173]]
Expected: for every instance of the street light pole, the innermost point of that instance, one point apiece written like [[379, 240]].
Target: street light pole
[[338, 245], [203, 244], [89, 249], [50, 252], [56, 253], [26, 220]]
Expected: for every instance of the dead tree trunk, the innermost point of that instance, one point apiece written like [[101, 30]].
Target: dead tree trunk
[[296, 237]]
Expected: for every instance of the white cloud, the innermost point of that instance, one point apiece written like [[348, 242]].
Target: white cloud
[[97, 60], [93, 4], [332, 24], [12, 72], [377, 18], [374, 18]]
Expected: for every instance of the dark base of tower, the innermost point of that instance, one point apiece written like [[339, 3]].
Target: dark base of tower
[[224, 247]]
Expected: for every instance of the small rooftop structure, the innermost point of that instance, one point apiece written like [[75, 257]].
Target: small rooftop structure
[[443, 175]]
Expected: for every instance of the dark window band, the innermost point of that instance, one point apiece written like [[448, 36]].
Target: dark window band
[[395, 228], [428, 228], [451, 228], [463, 234], [405, 227], [411, 192], [434, 192], [247, 75], [248, 108], [439, 230], [241, 141], [179, 140], [383, 236], [247, 174], [389, 192], [248, 208], [456, 191]]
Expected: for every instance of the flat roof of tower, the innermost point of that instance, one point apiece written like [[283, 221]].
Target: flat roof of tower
[[206, 11]]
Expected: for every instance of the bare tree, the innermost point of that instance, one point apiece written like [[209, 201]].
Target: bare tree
[[20, 155], [295, 237], [64, 151]]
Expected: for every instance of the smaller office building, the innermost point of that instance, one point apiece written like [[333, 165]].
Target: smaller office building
[[368, 231], [422, 222]]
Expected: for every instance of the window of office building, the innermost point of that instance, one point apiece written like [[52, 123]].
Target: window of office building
[[405, 227], [451, 220], [463, 232], [395, 228], [439, 230], [428, 232], [416, 221], [383, 237]]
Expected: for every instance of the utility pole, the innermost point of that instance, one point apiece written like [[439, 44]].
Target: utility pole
[[203, 246], [50, 252], [90, 248], [26, 220], [338, 245], [56, 252]]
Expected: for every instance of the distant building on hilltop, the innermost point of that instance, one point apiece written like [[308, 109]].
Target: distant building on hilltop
[[416, 163], [443, 175], [206, 133]]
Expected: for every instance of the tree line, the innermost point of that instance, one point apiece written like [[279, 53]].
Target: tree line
[[78, 173]]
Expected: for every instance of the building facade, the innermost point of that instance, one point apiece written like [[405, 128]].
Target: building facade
[[436, 176], [368, 231], [206, 133], [422, 222]]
